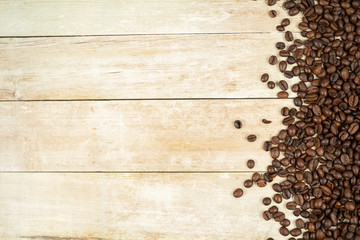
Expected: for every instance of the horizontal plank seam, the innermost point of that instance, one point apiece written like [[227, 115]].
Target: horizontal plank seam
[[124, 172], [137, 34], [137, 99]]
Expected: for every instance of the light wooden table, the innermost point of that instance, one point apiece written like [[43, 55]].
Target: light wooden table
[[117, 118]]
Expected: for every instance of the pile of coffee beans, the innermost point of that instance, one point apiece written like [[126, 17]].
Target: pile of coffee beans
[[317, 154]]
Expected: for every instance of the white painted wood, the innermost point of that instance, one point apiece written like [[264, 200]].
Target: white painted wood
[[98, 17], [138, 67], [190, 135], [132, 206]]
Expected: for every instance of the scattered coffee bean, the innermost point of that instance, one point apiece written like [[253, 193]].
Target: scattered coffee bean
[[280, 45], [250, 163], [277, 198], [266, 201], [266, 121], [283, 85], [285, 22], [238, 193], [251, 138], [237, 124], [272, 13], [248, 183], [273, 60], [289, 36], [264, 77], [271, 84], [282, 94]]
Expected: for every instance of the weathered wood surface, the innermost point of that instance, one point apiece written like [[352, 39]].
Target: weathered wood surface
[[138, 67], [98, 17], [131, 206], [154, 135]]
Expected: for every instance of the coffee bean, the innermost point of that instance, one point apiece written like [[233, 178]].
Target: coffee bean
[[267, 146], [273, 60], [266, 201], [280, 28], [251, 138], [271, 2], [300, 223], [271, 85], [264, 77], [289, 36], [248, 183], [285, 22], [288, 120], [279, 216], [277, 198], [266, 121], [282, 66], [238, 193], [237, 124], [295, 232], [255, 177], [282, 94], [250, 163], [283, 85], [284, 231], [272, 13], [261, 183], [285, 222], [267, 215], [280, 45]]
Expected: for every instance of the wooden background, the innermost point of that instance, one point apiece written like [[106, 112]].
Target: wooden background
[[117, 118]]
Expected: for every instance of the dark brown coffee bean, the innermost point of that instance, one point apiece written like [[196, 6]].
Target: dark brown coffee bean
[[272, 13], [282, 66], [295, 232], [255, 177], [266, 121], [266, 201], [291, 205], [279, 216], [285, 22], [284, 231], [238, 193], [248, 183], [282, 94], [289, 36], [250, 163], [285, 222], [251, 138], [271, 85], [280, 28], [271, 2], [273, 60], [277, 198], [261, 183], [267, 146], [237, 124], [300, 223], [264, 77], [267, 215], [283, 85], [280, 45]]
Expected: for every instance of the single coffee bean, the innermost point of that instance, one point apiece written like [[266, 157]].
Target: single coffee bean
[[248, 183], [295, 232], [255, 177], [289, 36], [282, 94], [300, 223], [237, 124], [285, 222], [266, 201], [271, 84], [250, 163], [284, 231], [251, 138], [273, 60], [261, 183], [277, 198], [266, 121], [267, 146], [272, 13], [267, 215], [283, 85], [279, 216], [273, 209], [238, 193], [280, 28], [280, 45], [285, 22], [264, 77], [282, 66], [271, 2]]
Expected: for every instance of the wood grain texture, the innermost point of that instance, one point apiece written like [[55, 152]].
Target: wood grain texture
[[132, 206], [192, 135], [138, 67], [97, 17]]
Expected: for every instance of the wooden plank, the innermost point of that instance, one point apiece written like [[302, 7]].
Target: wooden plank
[[132, 206], [138, 67], [195, 135], [95, 17]]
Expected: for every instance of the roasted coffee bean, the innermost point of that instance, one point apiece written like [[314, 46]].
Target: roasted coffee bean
[[282, 66], [285, 22], [277, 198], [273, 60], [250, 164], [284, 231], [272, 13], [251, 138], [267, 145], [280, 28], [264, 77], [266, 121], [285, 222], [279, 216], [248, 183], [238, 193], [237, 124], [295, 232], [300, 223], [261, 183], [289, 36], [280, 45], [271, 84], [266, 201], [282, 94], [283, 85], [255, 177], [271, 2], [267, 215]]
